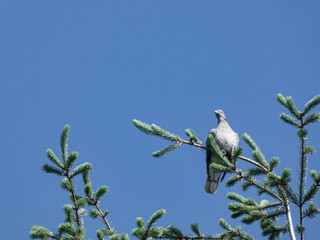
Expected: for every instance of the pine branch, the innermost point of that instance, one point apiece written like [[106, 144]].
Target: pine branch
[[302, 177], [193, 137], [292, 108], [291, 194], [163, 133], [103, 215], [311, 211], [311, 192], [64, 142], [146, 128], [312, 118], [288, 119], [311, 104], [74, 199], [166, 150], [154, 218]]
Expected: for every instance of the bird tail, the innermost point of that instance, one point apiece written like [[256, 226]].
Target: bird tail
[[211, 186]]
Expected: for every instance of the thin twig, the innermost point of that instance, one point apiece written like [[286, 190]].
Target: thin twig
[[103, 216], [272, 205], [259, 186], [240, 157], [302, 183], [288, 212], [254, 163], [53, 236], [76, 208]]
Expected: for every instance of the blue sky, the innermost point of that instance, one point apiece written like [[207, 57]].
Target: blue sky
[[96, 65]]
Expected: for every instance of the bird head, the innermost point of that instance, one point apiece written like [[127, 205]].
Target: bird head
[[220, 115]]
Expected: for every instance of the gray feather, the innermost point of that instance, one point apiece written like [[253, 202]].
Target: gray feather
[[228, 141]]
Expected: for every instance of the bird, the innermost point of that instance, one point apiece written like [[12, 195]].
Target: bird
[[227, 140]]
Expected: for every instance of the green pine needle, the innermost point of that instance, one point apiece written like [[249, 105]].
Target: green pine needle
[[195, 228], [156, 232], [246, 185], [232, 180], [64, 142], [166, 150], [144, 127], [193, 137], [163, 133], [249, 219], [302, 133], [276, 212], [82, 202], [292, 108], [224, 224], [101, 191], [258, 156], [312, 103], [234, 207], [40, 232], [312, 118], [274, 162], [236, 214], [256, 171], [66, 184], [53, 158], [291, 194], [68, 211], [285, 176], [51, 169], [282, 100], [102, 232], [88, 190], [71, 158], [82, 212], [250, 202], [311, 211], [214, 148], [311, 192], [80, 231], [119, 237], [220, 168], [236, 155], [139, 222], [288, 119], [309, 150], [173, 233], [139, 233], [65, 228], [154, 218], [84, 167], [94, 213], [272, 179], [314, 175], [236, 197], [249, 141]]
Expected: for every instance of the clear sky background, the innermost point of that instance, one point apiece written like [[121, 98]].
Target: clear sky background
[[97, 65]]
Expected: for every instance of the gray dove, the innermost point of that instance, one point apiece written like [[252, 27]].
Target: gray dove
[[227, 140]]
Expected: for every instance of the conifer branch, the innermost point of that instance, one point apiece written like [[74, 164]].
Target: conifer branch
[[288, 212], [74, 198], [253, 182], [302, 178], [103, 216], [199, 145]]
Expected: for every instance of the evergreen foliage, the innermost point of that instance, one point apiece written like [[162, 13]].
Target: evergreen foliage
[[166, 150], [273, 214]]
